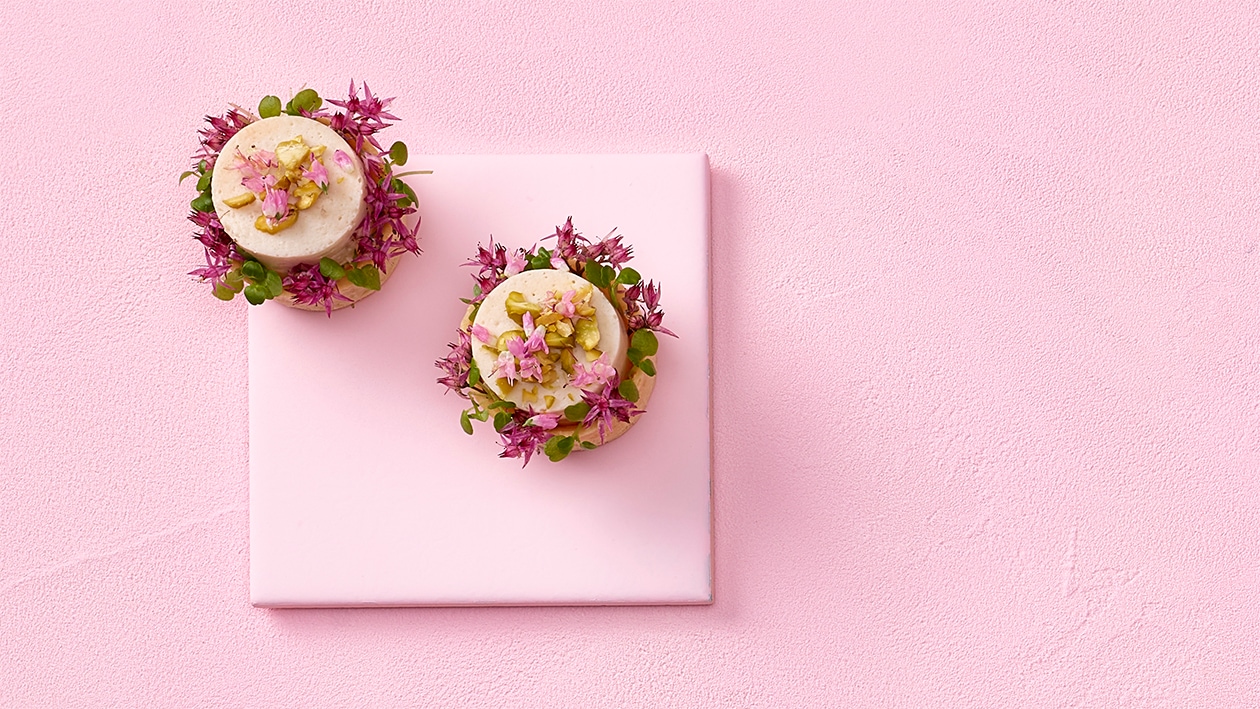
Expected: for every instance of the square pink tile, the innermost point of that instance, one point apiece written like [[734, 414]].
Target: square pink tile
[[364, 490]]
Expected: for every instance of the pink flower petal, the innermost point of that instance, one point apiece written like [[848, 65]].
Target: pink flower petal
[[343, 160], [275, 204], [481, 333], [544, 421], [505, 367], [317, 173], [516, 263], [565, 307]]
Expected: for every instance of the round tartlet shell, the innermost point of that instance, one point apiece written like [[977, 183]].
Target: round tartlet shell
[[348, 289]]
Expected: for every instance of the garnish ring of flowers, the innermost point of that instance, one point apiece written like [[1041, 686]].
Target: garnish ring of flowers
[[291, 179], [555, 346]]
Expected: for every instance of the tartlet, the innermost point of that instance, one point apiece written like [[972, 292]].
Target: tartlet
[[557, 347], [301, 204]]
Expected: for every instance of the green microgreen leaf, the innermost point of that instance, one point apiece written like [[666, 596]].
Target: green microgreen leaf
[[628, 390], [269, 107], [589, 446], [464, 423], [481, 415], [594, 272], [647, 367], [628, 276], [222, 292], [558, 448], [399, 186], [644, 341], [203, 203], [305, 100], [255, 294], [398, 153], [365, 276], [634, 356], [185, 175], [201, 166], [502, 404], [254, 271], [577, 412], [203, 183], [331, 269], [273, 284], [501, 419], [474, 373], [540, 259], [234, 280]]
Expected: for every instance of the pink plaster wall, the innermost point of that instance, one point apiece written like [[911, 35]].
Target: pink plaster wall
[[985, 373]]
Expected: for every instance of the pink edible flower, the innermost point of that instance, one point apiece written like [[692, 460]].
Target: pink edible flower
[[521, 439], [343, 160], [600, 372], [310, 287], [545, 421], [243, 165], [536, 342], [516, 348], [275, 204], [505, 367], [264, 159], [481, 333], [516, 264], [317, 173], [259, 184], [456, 364], [530, 368], [565, 307], [559, 264], [253, 170], [607, 406]]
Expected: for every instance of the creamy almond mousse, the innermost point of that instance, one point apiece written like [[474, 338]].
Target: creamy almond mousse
[[542, 336], [290, 190]]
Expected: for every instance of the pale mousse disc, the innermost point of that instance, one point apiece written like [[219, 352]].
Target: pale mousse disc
[[534, 286], [324, 230]]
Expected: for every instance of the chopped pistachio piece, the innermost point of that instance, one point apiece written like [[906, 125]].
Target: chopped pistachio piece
[[291, 153], [584, 310], [306, 194], [518, 306], [587, 334], [529, 395], [549, 401], [566, 360], [504, 385], [261, 223], [565, 328], [507, 337], [548, 319], [555, 339], [239, 200]]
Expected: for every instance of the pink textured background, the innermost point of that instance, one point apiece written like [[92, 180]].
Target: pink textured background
[[985, 377]]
